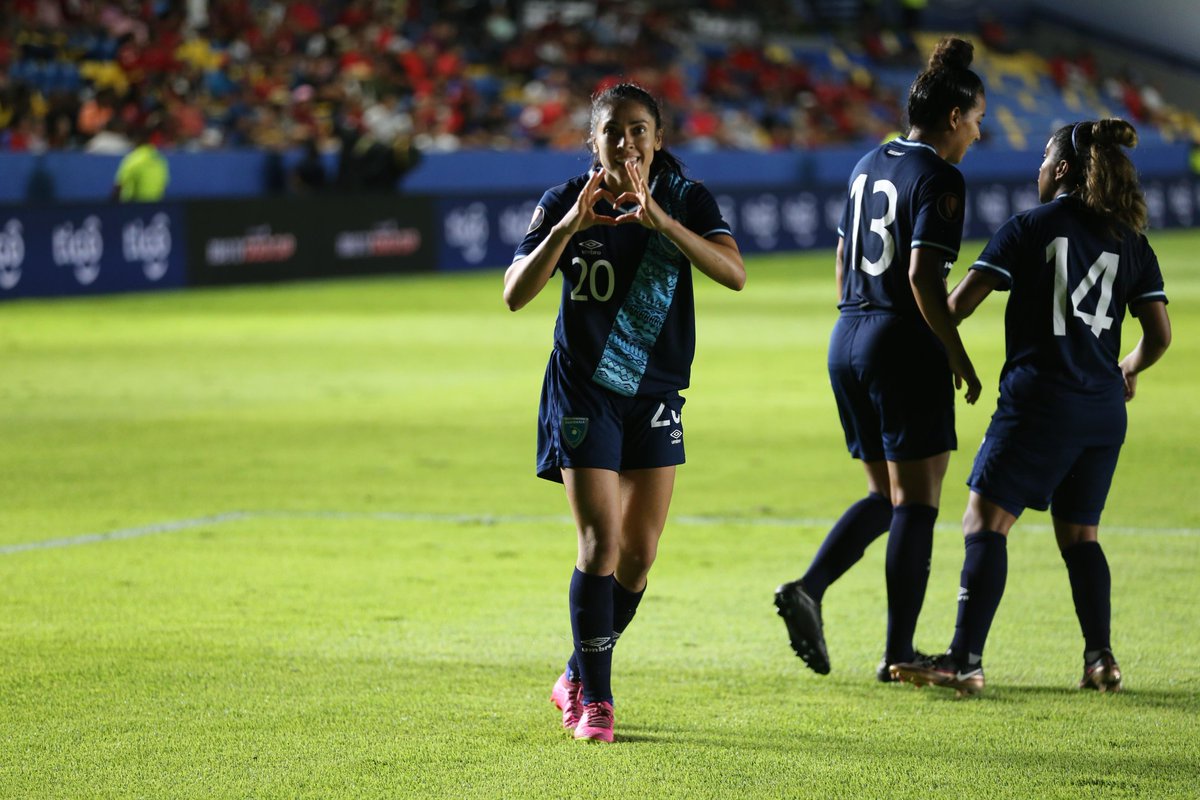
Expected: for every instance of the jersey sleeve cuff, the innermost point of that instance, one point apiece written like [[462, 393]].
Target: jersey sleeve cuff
[[953, 252], [995, 270]]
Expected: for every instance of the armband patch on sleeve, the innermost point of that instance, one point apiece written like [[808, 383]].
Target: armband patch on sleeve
[[950, 207], [539, 214]]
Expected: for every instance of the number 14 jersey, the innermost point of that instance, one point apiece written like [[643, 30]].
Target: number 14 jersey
[[1071, 281]]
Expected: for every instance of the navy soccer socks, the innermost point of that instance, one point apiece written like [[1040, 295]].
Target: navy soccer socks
[[625, 604], [1091, 589], [909, 548], [591, 599], [984, 573], [861, 524]]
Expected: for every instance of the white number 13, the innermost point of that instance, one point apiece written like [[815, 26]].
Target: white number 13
[[878, 224]]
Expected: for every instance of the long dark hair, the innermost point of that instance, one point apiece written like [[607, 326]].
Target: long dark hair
[[621, 92], [947, 83], [1103, 176]]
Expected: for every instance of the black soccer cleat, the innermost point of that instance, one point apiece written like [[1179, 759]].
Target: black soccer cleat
[[941, 671], [1102, 674], [802, 615]]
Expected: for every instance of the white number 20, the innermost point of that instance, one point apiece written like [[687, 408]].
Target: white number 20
[[587, 281], [878, 224], [1103, 271]]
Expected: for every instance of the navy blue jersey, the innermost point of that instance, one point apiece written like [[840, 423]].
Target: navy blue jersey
[[902, 195], [627, 318], [1071, 280]]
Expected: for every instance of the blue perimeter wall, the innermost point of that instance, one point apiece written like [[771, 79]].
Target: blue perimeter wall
[[456, 211], [82, 177]]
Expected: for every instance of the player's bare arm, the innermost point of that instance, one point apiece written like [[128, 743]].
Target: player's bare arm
[[971, 291], [1156, 338], [839, 265], [528, 276], [929, 289], [718, 257]]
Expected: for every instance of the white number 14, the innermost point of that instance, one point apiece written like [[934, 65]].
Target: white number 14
[[1104, 272]]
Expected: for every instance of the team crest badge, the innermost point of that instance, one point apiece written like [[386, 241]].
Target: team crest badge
[[574, 430]]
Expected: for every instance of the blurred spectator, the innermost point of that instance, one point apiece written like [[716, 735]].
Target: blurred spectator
[[110, 141], [371, 165], [142, 175], [308, 174], [270, 74]]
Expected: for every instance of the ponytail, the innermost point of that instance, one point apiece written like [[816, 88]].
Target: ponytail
[[1105, 178], [947, 83]]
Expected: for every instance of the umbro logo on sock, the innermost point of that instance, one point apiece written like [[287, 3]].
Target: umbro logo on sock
[[596, 645]]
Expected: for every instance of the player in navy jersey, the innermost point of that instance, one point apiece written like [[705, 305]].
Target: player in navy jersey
[[1072, 266], [895, 357], [624, 236]]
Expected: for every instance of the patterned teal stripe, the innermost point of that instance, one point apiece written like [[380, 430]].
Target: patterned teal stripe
[[640, 320]]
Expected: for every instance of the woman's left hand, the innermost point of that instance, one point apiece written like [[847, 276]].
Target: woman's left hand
[[648, 214]]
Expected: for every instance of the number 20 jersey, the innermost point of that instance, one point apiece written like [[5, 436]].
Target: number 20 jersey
[[902, 195], [1071, 281], [627, 317]]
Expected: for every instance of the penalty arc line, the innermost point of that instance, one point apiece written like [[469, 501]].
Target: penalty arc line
[[175, 526]]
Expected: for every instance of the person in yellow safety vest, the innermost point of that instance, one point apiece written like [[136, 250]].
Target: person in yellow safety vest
[[143, 175]]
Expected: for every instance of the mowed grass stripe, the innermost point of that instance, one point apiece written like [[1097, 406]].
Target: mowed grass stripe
[[177, 526]]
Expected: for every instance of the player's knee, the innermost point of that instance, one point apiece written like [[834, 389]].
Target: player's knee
[[636, 561], [598, 553]]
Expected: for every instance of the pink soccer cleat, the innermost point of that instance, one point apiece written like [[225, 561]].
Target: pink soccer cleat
[[567, 695], [596, 723]]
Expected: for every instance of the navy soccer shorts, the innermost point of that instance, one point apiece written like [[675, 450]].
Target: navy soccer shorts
[[1027, 470], [581, 424], [893, 385]]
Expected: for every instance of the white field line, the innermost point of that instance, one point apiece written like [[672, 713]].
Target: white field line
[[175, 526]]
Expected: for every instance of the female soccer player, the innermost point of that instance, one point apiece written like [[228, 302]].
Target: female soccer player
[[895, 357], [623, 236], [1072, 264]]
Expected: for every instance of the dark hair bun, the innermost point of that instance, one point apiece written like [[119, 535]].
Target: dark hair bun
[[1113, 131], [952, 53]]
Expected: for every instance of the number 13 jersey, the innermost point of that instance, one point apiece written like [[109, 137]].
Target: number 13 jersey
[[902, 195]]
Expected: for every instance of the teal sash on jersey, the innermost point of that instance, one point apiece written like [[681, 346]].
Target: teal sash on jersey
[[638, 323]]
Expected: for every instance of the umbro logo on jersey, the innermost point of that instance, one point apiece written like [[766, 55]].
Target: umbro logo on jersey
[[591, 246], [677, 435], [963, 594]]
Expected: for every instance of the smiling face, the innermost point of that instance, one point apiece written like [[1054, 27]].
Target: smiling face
[[965, 131], [625, 131]]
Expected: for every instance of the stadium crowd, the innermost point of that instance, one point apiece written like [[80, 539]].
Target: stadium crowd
[[332, 74]]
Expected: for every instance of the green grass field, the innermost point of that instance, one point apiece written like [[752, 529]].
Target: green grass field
[[285, 541]]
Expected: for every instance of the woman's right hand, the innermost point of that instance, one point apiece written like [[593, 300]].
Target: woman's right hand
[[582, 215]]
